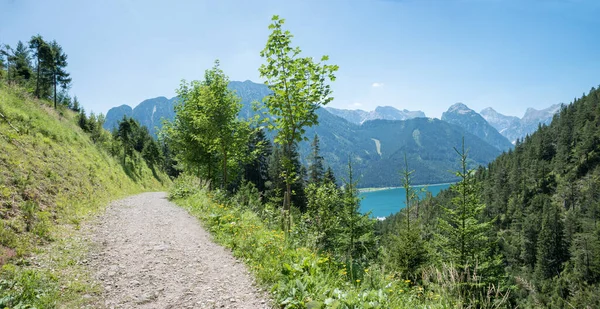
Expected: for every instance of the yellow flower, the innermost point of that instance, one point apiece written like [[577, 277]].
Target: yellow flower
[[357, 280], [407, 281]]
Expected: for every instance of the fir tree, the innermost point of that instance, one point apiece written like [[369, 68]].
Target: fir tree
[[315, 170]]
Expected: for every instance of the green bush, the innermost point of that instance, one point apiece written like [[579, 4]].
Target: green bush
[[298, 276]]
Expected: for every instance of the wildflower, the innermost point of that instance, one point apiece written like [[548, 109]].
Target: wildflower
[[357, 280]]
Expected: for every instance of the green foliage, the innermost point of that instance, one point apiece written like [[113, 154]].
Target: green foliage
[[463, 237], [299, 276], [52, 176], [26, 289], [316, 170], [298, 90], [257, 169], [56, 69], [205, 129], [424, 141]]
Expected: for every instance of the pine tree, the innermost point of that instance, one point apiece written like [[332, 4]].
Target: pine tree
[[256, 171], [21, 66], [315, 170], [357, 228], [330, 176], [76, 105], [43, 67], [464, 237], [408, 190], [124, 134], [551, 246], [59, 76]]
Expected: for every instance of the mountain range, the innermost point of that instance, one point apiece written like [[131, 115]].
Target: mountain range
[[358, 116], [514, 128], [461, 115], [377, 141]]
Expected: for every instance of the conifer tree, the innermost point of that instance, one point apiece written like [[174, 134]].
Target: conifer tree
[[330, 176], [551, 246], [21, 66], [463, 234], [315, 170], [408, 190], [57, 65], [43, 58]]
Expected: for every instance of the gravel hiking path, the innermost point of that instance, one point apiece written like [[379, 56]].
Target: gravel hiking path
[[149, 253]]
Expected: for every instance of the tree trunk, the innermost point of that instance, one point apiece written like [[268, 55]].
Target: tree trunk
[[224, 181], [54, 80], [37, 82], [209, 175], [287, 207]]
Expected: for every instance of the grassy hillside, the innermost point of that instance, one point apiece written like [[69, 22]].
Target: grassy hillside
[[52, 176]]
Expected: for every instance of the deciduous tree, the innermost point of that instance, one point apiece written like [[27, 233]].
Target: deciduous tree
[[299, 88]]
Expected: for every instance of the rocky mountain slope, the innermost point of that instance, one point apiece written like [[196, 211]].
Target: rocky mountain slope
[[513, 128], [428, 143], [358, 116], [461, 115]]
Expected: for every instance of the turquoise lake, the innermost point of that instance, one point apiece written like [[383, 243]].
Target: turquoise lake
[[384, 202]]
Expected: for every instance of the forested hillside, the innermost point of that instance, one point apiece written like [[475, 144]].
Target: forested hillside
[[57, 168], [542, 203], [375, 146], [378, 148], [545, 196]]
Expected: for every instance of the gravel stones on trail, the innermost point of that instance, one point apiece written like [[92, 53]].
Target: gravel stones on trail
[[150, 253]]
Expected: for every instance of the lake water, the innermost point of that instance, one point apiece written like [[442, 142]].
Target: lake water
[[384, 202]]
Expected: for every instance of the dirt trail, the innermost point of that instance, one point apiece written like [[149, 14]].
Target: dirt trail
[[153, 254]]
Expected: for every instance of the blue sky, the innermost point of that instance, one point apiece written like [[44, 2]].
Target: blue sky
[[413, 54]]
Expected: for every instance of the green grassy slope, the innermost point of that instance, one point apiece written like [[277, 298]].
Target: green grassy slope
[[51, 178]]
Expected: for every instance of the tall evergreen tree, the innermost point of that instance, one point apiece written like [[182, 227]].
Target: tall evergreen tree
[[330, 176], [551, 246], [57, 66], [44, 59], [464, 236], [408, 190], [3, 61], [256, 171], [20, 69], [124, 133], [316, 169]]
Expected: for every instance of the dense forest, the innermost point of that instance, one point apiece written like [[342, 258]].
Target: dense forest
[[542, 202]]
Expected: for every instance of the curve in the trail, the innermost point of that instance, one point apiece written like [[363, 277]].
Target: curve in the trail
[[153, 254]]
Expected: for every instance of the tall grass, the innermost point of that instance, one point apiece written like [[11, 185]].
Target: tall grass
[[299, 277], [52, 178]]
